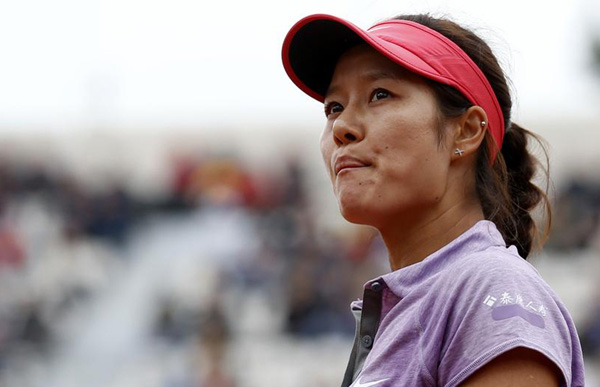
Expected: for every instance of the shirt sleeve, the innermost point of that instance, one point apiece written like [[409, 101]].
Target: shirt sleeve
[[493, 303]]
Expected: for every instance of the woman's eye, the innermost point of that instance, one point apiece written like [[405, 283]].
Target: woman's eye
[[379, 94], [332, 107]]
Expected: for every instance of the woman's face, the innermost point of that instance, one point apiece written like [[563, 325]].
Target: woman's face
[[380, 143]]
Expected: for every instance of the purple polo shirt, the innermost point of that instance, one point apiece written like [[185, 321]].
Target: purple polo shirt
[[436, 322]]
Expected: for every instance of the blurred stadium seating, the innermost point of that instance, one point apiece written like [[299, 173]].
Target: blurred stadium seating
[[210, 271]]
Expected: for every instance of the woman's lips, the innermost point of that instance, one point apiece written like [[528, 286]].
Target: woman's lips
[[347, 163]]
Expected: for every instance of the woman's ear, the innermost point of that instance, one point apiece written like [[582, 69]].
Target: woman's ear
[[469, 132]]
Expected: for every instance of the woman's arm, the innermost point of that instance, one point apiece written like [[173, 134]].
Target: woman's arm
[[520, 367]]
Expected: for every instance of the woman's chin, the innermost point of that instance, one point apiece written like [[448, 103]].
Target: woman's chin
[[355, 213]]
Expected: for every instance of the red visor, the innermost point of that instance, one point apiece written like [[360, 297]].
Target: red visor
[[313, 46]]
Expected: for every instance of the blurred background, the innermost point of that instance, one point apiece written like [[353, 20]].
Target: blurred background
[[165, 218]]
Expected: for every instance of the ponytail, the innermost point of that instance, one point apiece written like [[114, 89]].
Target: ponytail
[[507, 193]]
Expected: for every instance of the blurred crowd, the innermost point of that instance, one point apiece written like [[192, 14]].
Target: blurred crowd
[[576, 216], [577, 228], [63, 249]]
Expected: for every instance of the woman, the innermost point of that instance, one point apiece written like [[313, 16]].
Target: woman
[[419, 144]]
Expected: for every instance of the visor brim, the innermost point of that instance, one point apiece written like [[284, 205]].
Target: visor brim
[[314, 45]]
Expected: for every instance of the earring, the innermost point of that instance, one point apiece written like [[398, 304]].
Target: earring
[[459, 151], [483, 123]]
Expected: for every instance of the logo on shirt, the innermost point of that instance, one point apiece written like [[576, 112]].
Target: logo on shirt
[[490, 301], [514, 305]]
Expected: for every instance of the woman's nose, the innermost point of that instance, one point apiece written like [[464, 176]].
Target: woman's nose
[[347, 129]]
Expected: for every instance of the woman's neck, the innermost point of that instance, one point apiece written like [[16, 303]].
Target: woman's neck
[[411, 239]]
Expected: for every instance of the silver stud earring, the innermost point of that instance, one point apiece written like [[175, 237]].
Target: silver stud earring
[[459, 151], [483, 123]]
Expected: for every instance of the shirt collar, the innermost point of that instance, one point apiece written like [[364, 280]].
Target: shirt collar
[[479, 237]]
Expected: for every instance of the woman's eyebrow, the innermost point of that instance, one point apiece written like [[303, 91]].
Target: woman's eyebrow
[[377, 75]]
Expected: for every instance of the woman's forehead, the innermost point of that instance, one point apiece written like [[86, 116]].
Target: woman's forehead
[[369, 59], [364, 63]]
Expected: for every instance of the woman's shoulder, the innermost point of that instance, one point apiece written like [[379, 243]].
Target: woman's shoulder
[[490, 302], [495, 277], [494, 264]]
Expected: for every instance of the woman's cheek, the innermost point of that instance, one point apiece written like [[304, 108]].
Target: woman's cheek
[[326, 152]]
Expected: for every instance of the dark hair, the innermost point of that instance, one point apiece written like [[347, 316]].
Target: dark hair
[[505, 187]]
